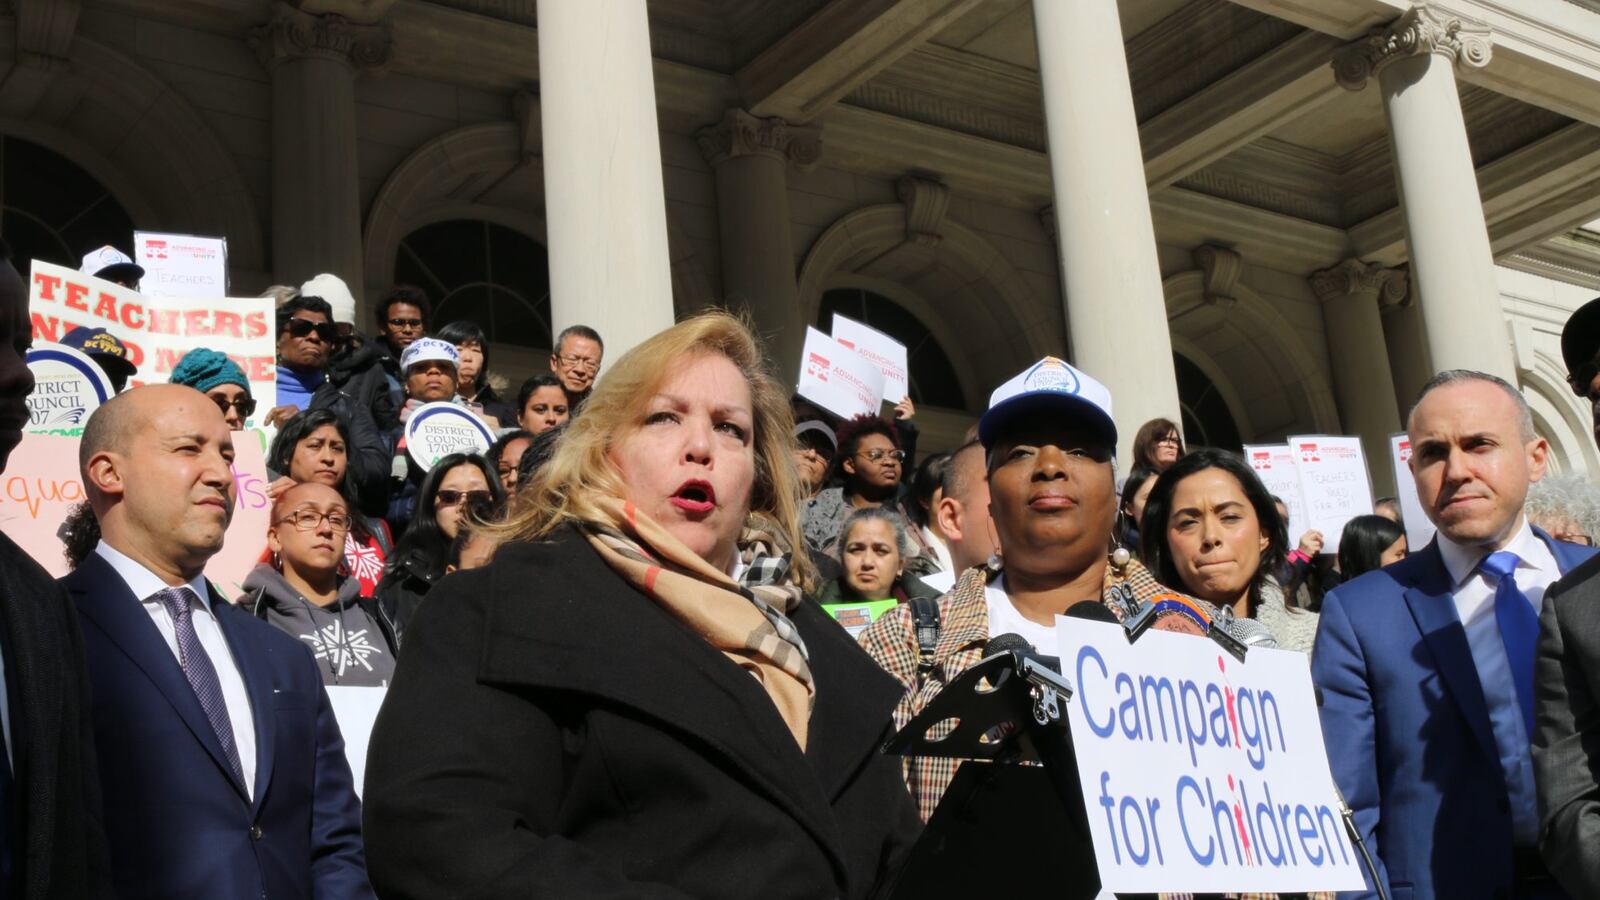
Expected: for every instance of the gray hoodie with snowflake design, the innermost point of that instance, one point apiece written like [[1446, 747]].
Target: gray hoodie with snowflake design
[[346, 637]]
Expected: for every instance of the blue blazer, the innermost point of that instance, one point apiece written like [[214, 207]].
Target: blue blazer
[[1407, 729], [178, 822]]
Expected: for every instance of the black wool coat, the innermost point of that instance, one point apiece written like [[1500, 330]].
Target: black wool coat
[[551, 732], [61, 848]]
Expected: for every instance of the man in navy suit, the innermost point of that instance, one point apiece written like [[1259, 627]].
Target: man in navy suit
[[1426, 666], [222, 768]]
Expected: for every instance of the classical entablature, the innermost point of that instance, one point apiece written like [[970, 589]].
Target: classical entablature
[[491, 173]]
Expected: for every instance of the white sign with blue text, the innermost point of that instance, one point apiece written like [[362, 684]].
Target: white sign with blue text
[[1202, 773]]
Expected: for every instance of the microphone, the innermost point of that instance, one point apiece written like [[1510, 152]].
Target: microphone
[[1249, 632], [1018, 646], [1011, 642]]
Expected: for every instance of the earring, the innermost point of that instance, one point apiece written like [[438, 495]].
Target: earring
[[994, 563], [1120, 557]]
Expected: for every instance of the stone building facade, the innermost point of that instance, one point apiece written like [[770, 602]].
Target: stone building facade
[[1270, 216]]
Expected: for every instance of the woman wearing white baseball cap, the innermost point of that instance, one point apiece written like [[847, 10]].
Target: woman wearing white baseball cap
[[1050, 442]]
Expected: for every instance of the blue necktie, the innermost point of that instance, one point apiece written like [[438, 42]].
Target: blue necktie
[[201, 674], [1519, 628]]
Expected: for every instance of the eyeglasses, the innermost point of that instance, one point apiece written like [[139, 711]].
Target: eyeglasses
[[879, 454], [823, 453], [299, 328], [311, 520], [1573, 538], [245, 405], [581, 363], [471, 498], [406, 324]]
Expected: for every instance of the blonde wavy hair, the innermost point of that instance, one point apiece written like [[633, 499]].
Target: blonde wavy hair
[[581, 466]]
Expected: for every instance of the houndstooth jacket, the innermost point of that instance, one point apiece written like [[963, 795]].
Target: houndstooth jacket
[[963, 632]]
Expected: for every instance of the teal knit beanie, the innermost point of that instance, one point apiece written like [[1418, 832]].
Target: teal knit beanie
[[204, 369]]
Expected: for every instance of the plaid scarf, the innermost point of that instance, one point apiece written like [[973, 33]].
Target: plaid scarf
[[747, 621]]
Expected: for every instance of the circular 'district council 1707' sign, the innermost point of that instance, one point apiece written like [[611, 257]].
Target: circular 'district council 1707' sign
[[436, 430], [67, 387]]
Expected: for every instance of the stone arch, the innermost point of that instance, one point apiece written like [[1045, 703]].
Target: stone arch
[[973, 300], [1258, 361], [483, 172], [143, 140], [1559, 416]]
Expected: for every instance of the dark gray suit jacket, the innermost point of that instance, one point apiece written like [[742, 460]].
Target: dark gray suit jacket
[[1566, 750]]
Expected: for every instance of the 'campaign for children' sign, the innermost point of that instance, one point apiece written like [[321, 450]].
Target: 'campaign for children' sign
[[1202, 773]]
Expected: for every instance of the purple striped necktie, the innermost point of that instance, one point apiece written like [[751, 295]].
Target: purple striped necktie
[[202, 675]]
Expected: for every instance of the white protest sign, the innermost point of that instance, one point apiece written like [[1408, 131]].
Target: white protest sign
[[1200, 773], [41, 484], [356, 710], [837, 378], [1334, 483], [881, 350], [1419, 531], [436, 430], [158, 331], [1274, 465], [181, 265], [67, 387]]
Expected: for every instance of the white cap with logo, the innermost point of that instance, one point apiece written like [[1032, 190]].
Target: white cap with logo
[[97, 262], [1048, 385], [429, 350]]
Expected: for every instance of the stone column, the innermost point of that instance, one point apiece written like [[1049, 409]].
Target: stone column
[[1414, 60], [1351, 293], [1116, 311], [316, 200], [605, 209], [1407, 338], [751, 157]]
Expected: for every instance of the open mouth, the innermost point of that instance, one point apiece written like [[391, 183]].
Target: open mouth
[[695, 497]]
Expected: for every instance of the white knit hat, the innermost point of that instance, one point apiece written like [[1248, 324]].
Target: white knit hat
[[332, 289]]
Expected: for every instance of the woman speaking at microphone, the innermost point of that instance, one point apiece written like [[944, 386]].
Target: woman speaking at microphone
[[631, 699], [1049, 439]]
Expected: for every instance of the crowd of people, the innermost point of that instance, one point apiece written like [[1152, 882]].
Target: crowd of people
[[609, 641]]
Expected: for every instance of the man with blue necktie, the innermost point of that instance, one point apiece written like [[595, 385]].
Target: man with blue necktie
[[222, 767], [1427, 666]]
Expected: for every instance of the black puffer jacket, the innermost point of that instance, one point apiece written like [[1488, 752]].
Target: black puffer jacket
[[357, 393]]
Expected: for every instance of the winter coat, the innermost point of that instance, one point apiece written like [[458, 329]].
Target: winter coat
[[352, 643], [555, 733], [408, 579], [356, 392]]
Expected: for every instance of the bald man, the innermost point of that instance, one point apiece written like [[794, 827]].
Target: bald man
[[223, 769]]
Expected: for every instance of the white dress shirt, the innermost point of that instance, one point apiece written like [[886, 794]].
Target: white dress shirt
[[1474, 598], [145, 584]]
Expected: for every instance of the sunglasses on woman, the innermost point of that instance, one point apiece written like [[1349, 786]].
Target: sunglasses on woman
[[474, 498], [245, 406], [299, 328]]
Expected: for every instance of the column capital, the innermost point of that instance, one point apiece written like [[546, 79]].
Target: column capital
[[926, 200], [742, 134], [1424, 28], [1354, 278], [295, 34]]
